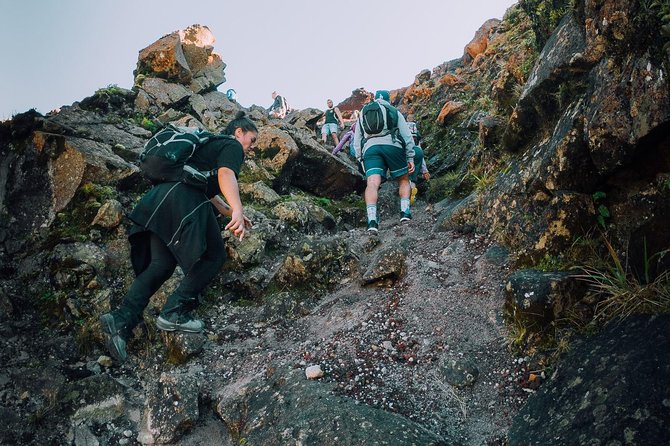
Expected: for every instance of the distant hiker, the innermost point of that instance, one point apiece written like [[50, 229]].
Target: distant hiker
[[419, 160], [333, 118], [383, 141], [174, 224], [231, 94], [348, 137], [279, 107]]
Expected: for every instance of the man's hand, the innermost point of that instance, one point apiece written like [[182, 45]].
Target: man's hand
[[410, 167], [426, 176]]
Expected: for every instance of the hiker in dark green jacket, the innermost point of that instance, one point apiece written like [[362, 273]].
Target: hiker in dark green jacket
[[175, 224]]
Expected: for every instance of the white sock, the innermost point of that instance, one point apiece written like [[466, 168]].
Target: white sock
[[372, 212], [404, 205]]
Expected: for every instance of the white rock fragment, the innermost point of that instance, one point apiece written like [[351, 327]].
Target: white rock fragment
[[313, 372]]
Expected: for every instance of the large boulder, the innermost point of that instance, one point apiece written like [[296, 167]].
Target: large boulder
[[319, 172], [183, 57], [612, 388]]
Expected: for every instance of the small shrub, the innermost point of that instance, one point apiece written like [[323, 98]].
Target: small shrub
[[621, 294]]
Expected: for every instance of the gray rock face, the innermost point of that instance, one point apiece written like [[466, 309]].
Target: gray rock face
[[613, 388], [170, 411], [290, 409]]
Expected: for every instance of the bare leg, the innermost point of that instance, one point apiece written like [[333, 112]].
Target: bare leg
[[371, 191], [404, 188]]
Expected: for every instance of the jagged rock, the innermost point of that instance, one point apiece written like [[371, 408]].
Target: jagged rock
[[259, 192], [423, 76], [490, 131], [214, 109], [250, 282], [306, 118], [460, 372], [109, 215], [320, 173], [76, 264], [171, 409], [479, 43], [206, 66], [387, 266], [266, 411], [359, 97], [158, 94], [70, 162], [534, 108], [450, 108], [611, 388], [277, 152], [75, 121], [317, 263], [616, 126], [165, 59], [182, 346], [248, 252], [538, 297], [304, 215]]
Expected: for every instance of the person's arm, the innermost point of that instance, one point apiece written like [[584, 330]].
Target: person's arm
[[231, 192], [227, 211], [343, 141], [406, 135], [339, 117], [424, 170]]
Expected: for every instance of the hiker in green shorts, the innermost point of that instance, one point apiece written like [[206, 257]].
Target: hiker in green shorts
[[383, 142]]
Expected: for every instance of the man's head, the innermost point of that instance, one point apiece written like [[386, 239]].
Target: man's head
[[382, 94], [274, 94], [329, 102]]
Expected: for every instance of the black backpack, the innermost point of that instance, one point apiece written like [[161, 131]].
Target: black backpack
[[379, 119], [166, 154]]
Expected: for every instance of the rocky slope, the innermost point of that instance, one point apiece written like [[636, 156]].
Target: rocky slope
[[537, 167]]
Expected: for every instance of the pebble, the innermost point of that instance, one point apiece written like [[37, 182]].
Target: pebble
[[313, 372], [105, 361]]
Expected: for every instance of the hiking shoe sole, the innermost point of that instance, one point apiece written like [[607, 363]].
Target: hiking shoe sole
[[115, 344], [192, 326], [404, 219]]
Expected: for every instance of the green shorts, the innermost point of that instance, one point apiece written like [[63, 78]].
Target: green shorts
[[418, 161], [377, 159]]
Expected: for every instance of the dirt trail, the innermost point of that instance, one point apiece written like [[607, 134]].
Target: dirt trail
[[388, 347]]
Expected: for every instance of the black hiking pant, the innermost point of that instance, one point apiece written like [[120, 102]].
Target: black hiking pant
[[185, 298]]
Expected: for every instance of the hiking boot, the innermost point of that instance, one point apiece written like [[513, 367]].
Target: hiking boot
[[405, 216], [373, 227], [412, 196], [183, 323], [114, 341]]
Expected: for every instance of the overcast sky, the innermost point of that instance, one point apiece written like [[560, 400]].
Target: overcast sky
[[56, 52]]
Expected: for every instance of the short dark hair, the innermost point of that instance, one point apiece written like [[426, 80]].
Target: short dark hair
[[240, 121]]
